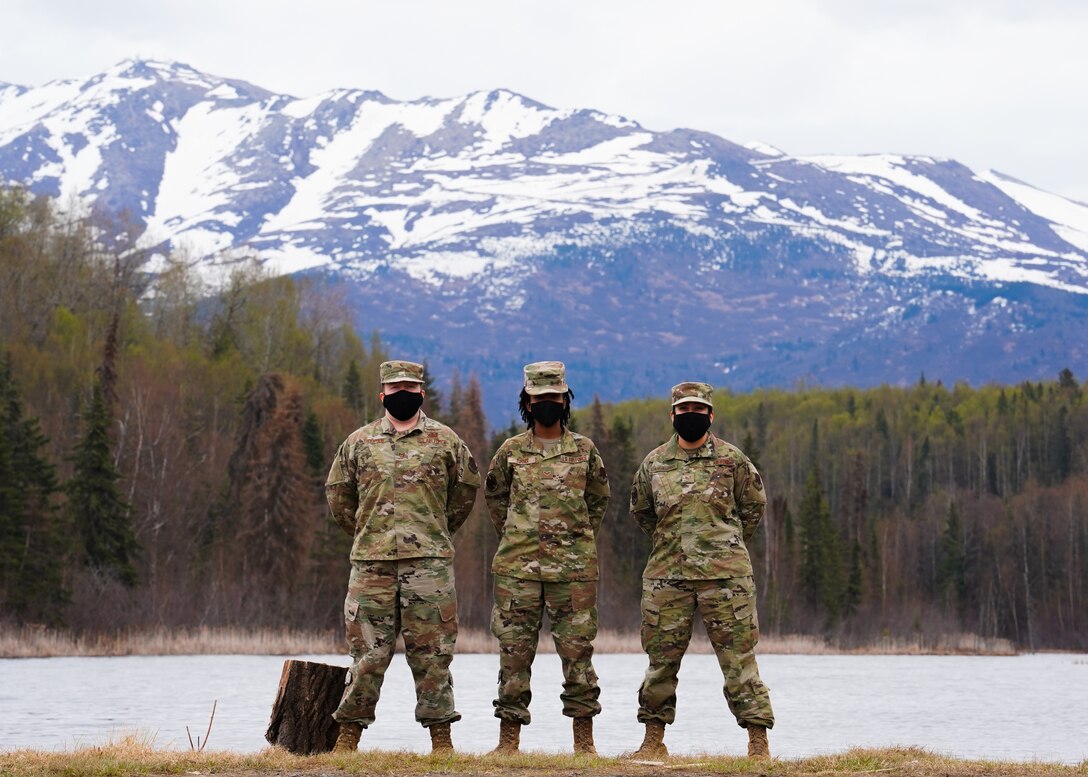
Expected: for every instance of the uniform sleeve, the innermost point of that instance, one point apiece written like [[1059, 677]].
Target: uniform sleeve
[[497, 489], [597, 490], [464, 480], [642, 500], [749, 497], [342, 490]]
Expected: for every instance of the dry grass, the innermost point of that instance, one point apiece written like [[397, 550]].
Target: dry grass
[[135, 755], [36, 642]]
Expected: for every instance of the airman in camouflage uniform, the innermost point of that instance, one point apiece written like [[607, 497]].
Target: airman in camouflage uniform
[[700, 499], [401, 486], [546, 491]]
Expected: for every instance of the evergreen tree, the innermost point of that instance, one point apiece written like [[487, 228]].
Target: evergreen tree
[[821, 565], [313, 445], [751, 450], [597, 431], [33, 547], [95, 506], [273, 509], [432, 400], [1061, 447], [457, 397], [951, 570], [476, 541], [854, 584], [352, 391]]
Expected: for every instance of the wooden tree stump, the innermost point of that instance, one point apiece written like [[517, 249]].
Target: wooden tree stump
[[302, 714]]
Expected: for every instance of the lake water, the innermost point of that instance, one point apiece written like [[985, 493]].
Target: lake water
[[1002, 707]]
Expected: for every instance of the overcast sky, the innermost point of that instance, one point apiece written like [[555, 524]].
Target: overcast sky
[[997, 84]]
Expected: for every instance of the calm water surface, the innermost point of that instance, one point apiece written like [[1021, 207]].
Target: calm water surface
[[1019, 708]]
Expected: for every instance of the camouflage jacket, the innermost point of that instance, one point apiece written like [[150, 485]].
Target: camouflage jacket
[[700, 510], [547, 508], [402, 494]]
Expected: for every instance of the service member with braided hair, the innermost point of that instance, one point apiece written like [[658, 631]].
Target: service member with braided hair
[[546, 491]]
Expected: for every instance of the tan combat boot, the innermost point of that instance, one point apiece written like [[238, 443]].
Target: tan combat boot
[[583, 737], [757, 742], [653, 746], [441, 740], [509, 738], [347, 741]]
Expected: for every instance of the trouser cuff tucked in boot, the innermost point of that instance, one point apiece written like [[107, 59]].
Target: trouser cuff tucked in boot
[[583, 737], [653, 745], [441, 739], [347, 741], [509, 738], [757, 742]]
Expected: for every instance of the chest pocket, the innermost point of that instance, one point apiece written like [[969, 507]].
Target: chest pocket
[[427, 465], [721, 484], [374, 463], [522, 482], [571, 469], [665, 483]]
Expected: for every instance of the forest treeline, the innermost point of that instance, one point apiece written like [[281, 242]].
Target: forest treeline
[[165, 433]]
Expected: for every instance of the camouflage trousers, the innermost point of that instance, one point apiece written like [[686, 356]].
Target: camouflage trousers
[[515, 622], [728, 608], [413, 597]]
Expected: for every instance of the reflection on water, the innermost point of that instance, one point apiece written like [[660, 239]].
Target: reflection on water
[[973, 707]]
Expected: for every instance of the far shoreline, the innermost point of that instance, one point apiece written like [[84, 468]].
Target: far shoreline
[[41, 642]]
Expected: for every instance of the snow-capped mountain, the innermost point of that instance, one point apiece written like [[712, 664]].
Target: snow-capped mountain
[[486, 230]]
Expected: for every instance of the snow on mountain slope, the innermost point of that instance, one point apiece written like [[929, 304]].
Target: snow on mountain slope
[[357, 180], [478, 205]]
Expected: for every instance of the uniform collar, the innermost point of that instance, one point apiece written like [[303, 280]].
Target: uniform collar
[[566, 444], [387, 427], [704, 452]]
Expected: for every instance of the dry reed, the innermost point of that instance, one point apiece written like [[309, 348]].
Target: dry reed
[[37, 642]]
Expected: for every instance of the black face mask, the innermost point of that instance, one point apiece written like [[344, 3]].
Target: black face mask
[[546, 413], [691, 426], [402, 404]]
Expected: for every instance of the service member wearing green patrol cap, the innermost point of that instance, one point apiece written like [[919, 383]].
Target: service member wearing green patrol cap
[[401, 372], [545, 378], [546, 491], [400, 487], [700, 499]]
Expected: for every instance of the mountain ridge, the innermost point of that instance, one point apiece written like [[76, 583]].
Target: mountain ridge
[[498, 213]]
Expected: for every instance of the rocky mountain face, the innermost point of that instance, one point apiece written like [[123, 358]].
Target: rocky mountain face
[[484, 231]]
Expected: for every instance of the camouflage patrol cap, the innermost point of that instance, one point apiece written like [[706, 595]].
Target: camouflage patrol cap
[[693, 392], [397, 371], [545, 378]]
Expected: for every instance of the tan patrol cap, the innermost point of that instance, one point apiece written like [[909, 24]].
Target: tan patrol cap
[[545, 378], [693, 392], [397, 371]]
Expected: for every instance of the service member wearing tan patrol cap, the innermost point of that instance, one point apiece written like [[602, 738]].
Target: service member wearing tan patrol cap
[[546, 491], [700, 499], [401, 486]]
